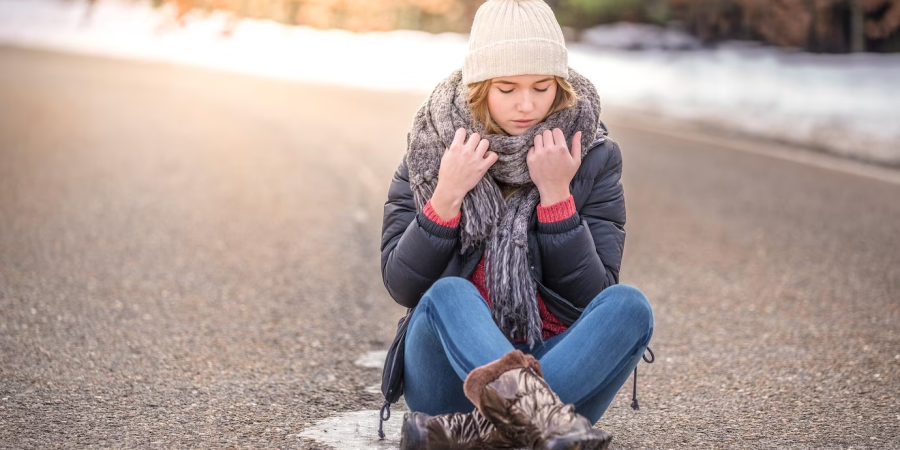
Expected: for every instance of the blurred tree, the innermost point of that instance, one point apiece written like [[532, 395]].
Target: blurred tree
[[815, 25], [885, 18], [585, 13], [857, 26]]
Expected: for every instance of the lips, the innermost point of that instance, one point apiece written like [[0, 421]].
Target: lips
[[523, 122]]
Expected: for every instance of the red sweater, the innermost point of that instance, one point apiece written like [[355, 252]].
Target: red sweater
[[550, 325]]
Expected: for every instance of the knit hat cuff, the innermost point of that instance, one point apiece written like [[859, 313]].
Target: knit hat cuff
[[530, 56]]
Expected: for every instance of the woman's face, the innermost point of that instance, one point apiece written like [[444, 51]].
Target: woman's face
[[519, 102]]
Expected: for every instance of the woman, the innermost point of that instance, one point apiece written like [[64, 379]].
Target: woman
[[504, 228]]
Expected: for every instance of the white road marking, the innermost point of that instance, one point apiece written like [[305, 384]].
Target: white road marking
[[796, 154], [357, 430], [372, 360]]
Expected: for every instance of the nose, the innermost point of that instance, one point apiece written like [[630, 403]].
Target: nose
[[525, 104]]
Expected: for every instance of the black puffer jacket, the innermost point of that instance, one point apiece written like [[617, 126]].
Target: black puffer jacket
[[574, 259]]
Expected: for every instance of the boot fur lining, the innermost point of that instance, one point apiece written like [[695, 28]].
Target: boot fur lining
[[481, 376]]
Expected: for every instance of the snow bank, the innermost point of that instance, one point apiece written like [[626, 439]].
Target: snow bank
[[847, 104]]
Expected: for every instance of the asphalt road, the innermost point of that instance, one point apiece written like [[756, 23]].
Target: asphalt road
[[190, 259]]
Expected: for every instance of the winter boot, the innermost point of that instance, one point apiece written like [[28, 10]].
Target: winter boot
[[452, 431], [512, 394]]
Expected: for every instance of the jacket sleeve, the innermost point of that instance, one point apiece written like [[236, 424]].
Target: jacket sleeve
[[581, 255], [415, 250]]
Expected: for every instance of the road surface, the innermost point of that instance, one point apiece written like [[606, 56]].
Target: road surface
[[191, 259]]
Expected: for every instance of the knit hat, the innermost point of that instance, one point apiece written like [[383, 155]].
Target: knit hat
[[515, 37]]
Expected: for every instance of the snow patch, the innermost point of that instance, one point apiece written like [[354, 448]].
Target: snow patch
[[372, 360], [356, 430]]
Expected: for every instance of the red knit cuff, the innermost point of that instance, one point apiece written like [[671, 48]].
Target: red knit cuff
[[556, 212], [431, 215]]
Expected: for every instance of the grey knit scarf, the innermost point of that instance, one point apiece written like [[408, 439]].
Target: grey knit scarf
[[486, 218]]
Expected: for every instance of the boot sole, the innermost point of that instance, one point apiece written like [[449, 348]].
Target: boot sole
[[596, 442], [411, 437]]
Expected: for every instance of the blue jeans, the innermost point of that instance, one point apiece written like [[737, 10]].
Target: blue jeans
[[451, 332]]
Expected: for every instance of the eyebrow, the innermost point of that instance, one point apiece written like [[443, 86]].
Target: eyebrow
[[516, 84]]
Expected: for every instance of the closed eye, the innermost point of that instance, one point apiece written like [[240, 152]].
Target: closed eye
[[539, 90]]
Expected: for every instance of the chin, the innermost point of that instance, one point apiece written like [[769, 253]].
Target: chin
[[515, 132]]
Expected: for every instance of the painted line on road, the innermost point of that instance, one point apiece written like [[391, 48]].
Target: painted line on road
[[775, 150], [359, 429], [356, 430]]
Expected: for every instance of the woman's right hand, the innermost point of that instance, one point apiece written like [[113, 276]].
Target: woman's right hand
[[462, 167]]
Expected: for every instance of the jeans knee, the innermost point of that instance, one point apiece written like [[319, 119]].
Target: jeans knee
[[448, 289], [632, 305], [451, 283]]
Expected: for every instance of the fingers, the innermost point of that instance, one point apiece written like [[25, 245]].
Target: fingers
[[459, 138], [490, 158], [576, 146], [558, 137], [473, 142], [482, 146], [548, 139]]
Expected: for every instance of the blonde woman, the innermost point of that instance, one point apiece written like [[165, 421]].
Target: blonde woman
[[504, 229]]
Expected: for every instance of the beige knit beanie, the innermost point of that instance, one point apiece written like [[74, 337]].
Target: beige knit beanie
[[515, 37]]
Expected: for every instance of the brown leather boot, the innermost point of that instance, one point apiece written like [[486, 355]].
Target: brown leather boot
[[512, 394], [452, 431]]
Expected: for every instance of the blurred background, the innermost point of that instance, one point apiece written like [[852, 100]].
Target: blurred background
[[191, 198], [821, 26], [816, 73]]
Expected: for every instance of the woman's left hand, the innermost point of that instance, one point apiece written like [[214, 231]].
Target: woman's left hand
[[552, 165]]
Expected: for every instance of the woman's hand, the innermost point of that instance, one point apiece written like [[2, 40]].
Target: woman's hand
[[462, 167], [552, 166]]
